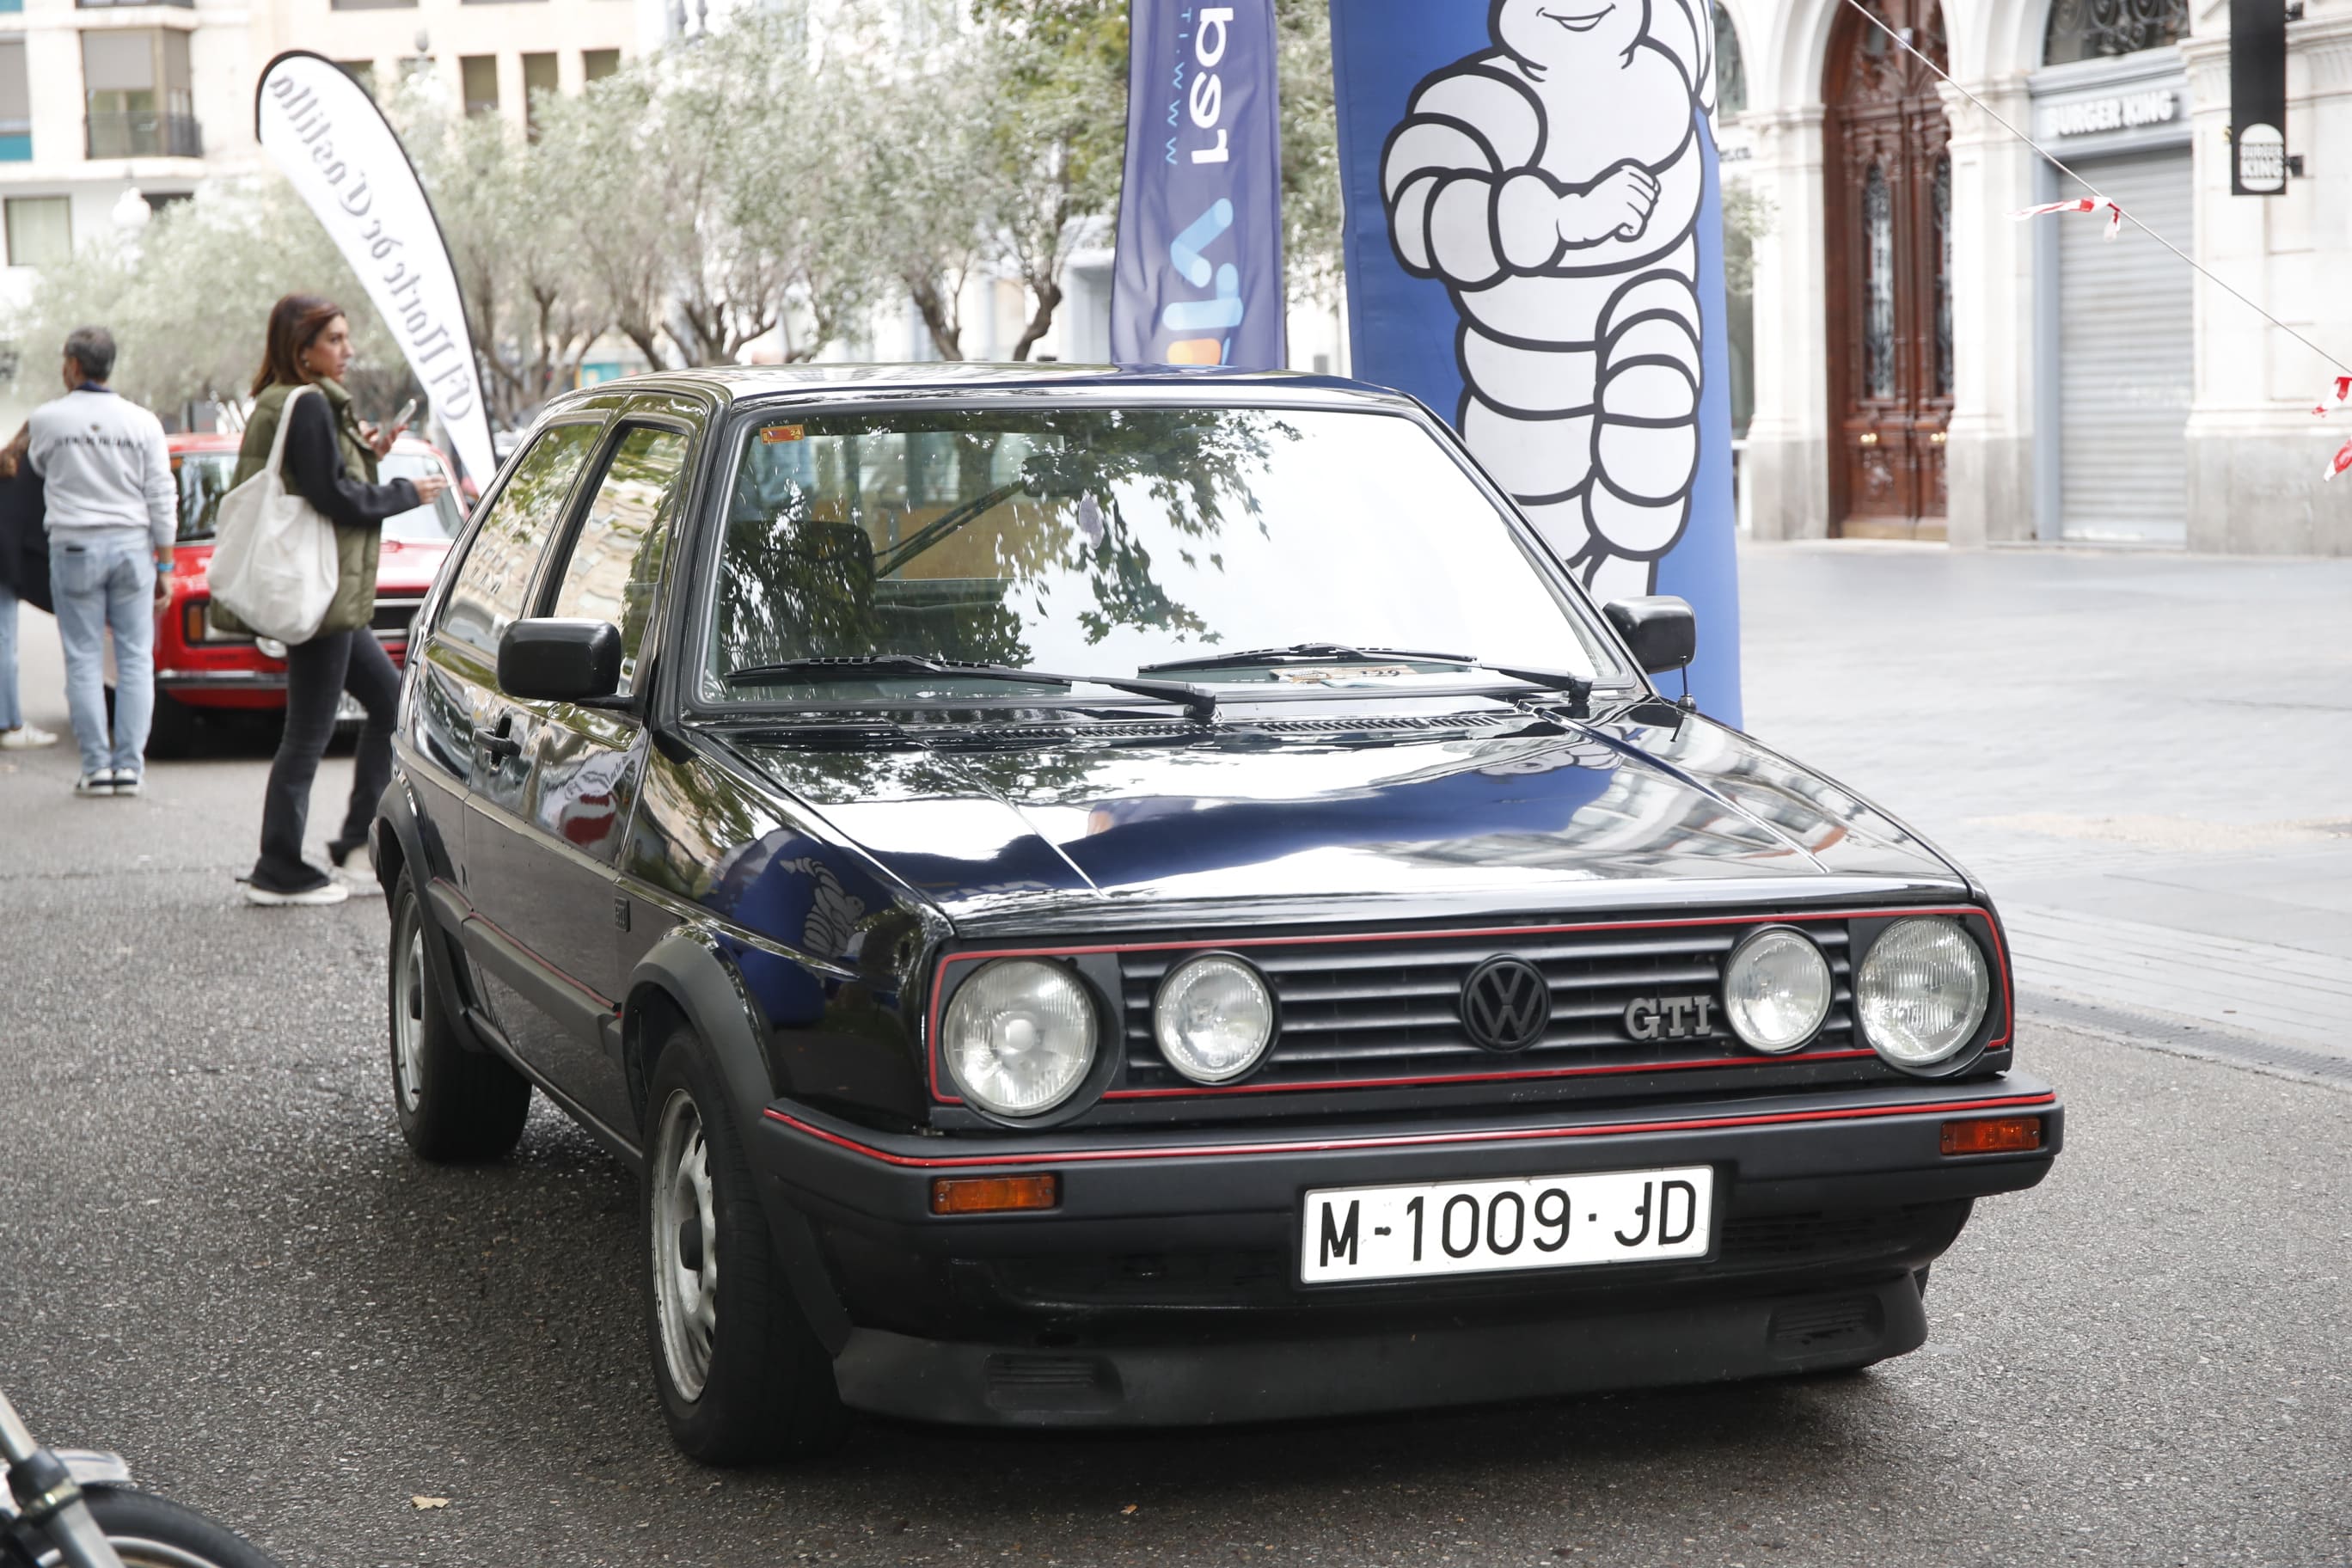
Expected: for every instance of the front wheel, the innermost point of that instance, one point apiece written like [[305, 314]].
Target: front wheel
[[742, 1375], [150, 1531], [454, 1104]]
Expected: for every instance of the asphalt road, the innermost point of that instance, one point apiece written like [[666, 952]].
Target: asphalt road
[[217, 1257]]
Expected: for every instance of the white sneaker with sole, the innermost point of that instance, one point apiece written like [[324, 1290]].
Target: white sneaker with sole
[[328, 892], [355, 871], [128, 781], [96, 784], [26, 738]]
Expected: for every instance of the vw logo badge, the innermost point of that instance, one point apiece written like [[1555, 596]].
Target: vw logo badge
[[1506, 1004]]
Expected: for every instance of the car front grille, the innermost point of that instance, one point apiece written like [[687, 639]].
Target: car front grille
[[1367, 1010], [1816, 1243], [393, 618]]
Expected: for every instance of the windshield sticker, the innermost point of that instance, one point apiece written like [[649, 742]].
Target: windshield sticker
[[775, 432]]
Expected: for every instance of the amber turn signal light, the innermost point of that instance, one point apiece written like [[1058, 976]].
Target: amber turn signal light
[[993, 1194], [1993, 1135]]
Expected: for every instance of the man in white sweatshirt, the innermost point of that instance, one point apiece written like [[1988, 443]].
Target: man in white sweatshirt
[[112, 514]]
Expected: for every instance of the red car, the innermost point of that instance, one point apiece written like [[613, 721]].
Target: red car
[[201, 669]]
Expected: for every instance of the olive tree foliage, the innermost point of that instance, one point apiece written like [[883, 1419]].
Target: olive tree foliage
[[187, 297], [773, 181], [1070, 73]]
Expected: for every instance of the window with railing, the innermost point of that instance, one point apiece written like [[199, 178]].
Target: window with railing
[[15, 104], [111, 5], [139, 105]]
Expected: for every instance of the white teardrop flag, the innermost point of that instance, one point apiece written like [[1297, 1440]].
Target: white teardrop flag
[[327, 136]]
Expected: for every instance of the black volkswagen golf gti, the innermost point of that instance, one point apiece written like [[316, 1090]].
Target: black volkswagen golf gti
[[1109, 899]]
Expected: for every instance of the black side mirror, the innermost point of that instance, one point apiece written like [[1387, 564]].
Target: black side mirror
[[560, 661], [1660, 629]]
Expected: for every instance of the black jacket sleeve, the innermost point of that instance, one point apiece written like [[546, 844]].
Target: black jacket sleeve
[[314, 468]]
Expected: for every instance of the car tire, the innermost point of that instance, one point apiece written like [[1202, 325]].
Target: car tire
[[172, 733], [455, 1105], [740, 1375]]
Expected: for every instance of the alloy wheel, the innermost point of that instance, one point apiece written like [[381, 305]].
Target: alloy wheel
[[685, 1246], [408, 982]]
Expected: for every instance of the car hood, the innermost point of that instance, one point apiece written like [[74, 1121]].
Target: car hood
[[1642, 806]]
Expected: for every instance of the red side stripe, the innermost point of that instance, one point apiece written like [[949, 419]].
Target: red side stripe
[[1401, 1140]]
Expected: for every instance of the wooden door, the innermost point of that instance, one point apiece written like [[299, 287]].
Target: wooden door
[[1889, 200]]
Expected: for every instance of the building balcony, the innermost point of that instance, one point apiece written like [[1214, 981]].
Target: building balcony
[[145, 134]]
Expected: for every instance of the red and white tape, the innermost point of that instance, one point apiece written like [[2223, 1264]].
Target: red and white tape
[[2080, 204], [2341, 461]]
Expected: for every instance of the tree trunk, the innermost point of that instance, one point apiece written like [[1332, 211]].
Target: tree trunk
[[1041, 319], [947, 333]]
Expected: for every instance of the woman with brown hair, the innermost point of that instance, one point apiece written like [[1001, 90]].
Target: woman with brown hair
[[331, 462]]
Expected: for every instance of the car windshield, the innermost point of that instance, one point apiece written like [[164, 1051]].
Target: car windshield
[[1101, 542], [204, 478]]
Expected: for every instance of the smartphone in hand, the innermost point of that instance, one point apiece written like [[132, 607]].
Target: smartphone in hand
[[407, 412]]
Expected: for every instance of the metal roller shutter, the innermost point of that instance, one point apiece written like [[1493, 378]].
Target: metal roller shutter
[[2124, 347]]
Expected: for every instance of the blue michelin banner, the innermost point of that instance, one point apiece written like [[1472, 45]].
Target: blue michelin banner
[[1535, 248], [1199, 276]]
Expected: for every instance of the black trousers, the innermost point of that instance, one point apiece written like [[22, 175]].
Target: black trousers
[[318, 672]]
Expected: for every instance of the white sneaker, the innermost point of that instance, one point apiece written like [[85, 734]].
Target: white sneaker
[[128, 780], [327, 892], [356, 872], [99, 782], [26, 738]]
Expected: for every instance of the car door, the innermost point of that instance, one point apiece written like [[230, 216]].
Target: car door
[[547, 829], [455, 666]]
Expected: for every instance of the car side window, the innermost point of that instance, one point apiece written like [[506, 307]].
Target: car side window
[[487, 594], [614, 567]]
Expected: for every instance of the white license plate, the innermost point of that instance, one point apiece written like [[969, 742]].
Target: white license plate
[[1531, 1222]]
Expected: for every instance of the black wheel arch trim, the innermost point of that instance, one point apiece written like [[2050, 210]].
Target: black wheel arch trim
[[396, 819], [690, 967]]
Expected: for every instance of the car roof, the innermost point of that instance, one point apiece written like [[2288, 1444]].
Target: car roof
[[234, 441], [1097, 382]]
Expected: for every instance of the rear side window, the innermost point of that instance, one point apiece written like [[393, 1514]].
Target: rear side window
[[616, 557], [487, 594], [202, 479]]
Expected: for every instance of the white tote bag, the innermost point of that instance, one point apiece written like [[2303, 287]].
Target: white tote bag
[[274, 566]]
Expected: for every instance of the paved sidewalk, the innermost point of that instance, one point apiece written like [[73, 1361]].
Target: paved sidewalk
[[2147, 758]]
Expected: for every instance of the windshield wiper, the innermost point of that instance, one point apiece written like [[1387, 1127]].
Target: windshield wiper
[[1578, 688], [1304, 653], [1197, 700]]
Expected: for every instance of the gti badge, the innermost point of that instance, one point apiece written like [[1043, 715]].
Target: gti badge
[[1670, 1018], [1506, 1004]]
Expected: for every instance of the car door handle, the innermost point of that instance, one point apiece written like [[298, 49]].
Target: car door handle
[[500, 745]]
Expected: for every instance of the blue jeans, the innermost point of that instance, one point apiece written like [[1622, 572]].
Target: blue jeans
[[12, 712], [98, 587]]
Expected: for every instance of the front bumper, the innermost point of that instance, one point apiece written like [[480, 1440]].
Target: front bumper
[[1164, 1287]]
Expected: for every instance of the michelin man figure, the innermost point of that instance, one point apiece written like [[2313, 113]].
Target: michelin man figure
[[1553, 184]]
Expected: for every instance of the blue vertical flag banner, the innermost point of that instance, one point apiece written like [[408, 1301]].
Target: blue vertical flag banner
[[1199, 275], [1535, 248]]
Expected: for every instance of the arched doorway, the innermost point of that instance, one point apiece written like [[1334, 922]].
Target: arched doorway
[[1889, 202]]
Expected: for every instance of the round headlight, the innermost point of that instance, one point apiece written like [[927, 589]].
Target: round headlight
[[1777, 989], [1019, 1037], [1214, 1019], [1922, 992]]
